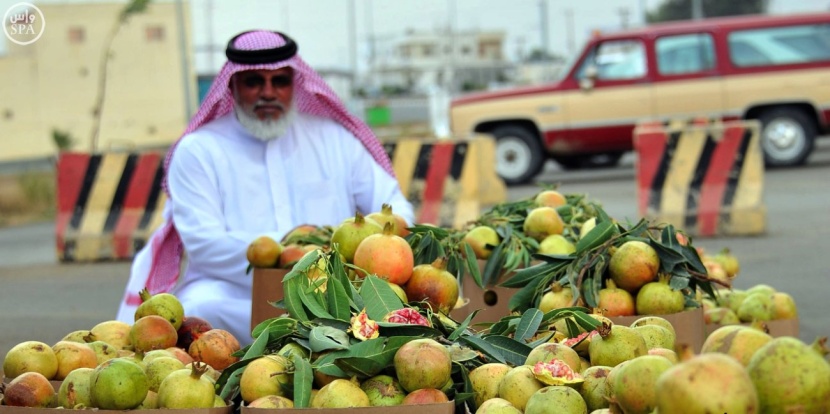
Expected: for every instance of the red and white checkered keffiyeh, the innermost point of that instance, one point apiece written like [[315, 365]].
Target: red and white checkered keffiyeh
[[311, 95]]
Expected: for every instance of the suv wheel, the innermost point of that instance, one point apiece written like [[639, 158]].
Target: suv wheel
[[519, 154], [787, 136]]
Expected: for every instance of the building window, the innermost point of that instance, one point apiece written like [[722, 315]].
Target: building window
[[465, 50], [76, 34], [154, 33]]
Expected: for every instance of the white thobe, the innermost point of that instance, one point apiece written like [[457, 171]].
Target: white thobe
[[228, 188]]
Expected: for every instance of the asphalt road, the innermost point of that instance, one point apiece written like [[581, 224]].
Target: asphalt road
[[43, 300]]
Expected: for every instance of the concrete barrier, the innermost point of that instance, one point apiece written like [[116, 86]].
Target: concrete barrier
[[704, 177], [108, 204], [447, 181]]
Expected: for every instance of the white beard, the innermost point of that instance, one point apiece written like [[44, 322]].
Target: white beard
[[267, 130]]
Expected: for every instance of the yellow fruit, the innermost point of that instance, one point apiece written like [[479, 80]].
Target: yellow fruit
[[264, 252]]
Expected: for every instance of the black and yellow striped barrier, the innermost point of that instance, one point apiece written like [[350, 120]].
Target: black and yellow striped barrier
[[108, 204], [447, 181], [704, 177]]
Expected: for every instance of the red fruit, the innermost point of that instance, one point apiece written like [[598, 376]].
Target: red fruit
[[408, 316], [385, 215], [192, 328], [386, 255], [433, 284], [30, 389], [215, 348], [614, 301], [425, 396], [152, 332], [556, 372]]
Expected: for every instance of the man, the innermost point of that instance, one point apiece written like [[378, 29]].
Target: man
[[271, 148]]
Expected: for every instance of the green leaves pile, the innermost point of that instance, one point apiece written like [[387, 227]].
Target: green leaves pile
[[319, 322], [585, 270]]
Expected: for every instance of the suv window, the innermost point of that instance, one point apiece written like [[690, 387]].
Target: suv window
[[616, 60], [683, 54], [780, 45]]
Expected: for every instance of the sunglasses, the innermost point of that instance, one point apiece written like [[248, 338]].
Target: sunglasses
[[255, 80]]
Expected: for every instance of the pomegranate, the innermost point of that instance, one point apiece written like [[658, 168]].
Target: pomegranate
[[790, 377], [656, 336], [485, 380], [783, 306], [615, 301], [348, 235], [340, 393], [709, 383], [665, 353], [654, 320], [720, 316], [74, 391], [386, 255], [30, 356], [266, 375], [271, 401], [729, 262], [422, 363], [364, 328], [497, 406], [159, 368], [566, 400], [180, 354], [550, 198], [433, 284], [658, 298], [115, 333], [551, 350], [756, 306], [633, 264], [425, 396], [541, 222], [406, 315], [71, 356], [215, 348], [264, 252], [118, 384], [615, 344], [187, 388], [739, 342], [634, 386], [165, 305], [386, 215], [595, 387], [556, 372], [192, 328], [29, 389], [556, 298], [481, 239], [518, 385], [383, 390], [556, 244], [292, 253], [152, 332]]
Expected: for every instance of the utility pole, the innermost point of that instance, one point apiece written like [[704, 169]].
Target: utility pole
[[623, 12], [697, 9], [543, 16]]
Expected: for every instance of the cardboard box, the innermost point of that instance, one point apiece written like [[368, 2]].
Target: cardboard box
[[267, 287], [688, 325], [783, 327], [492, 300], [442, 408]]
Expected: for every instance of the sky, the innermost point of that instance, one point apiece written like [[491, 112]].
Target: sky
[[322, 28]]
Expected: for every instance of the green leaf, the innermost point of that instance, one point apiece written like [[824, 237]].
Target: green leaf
[[325, 364], [524, 276], [540, 341], [311, 299], [586, 322], [522, 299], [303, 381], [292, 298], [323, 338], [338, 299], [460, 353], [573, 328], [484, 347], [272, 325], [668, 257], [493, 266], [378, 297], [472, 265], [600, 234], [463, 326], [513, 351], [360, 366], [678, 282], [528, 325], [693, 258], [302, 266]]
